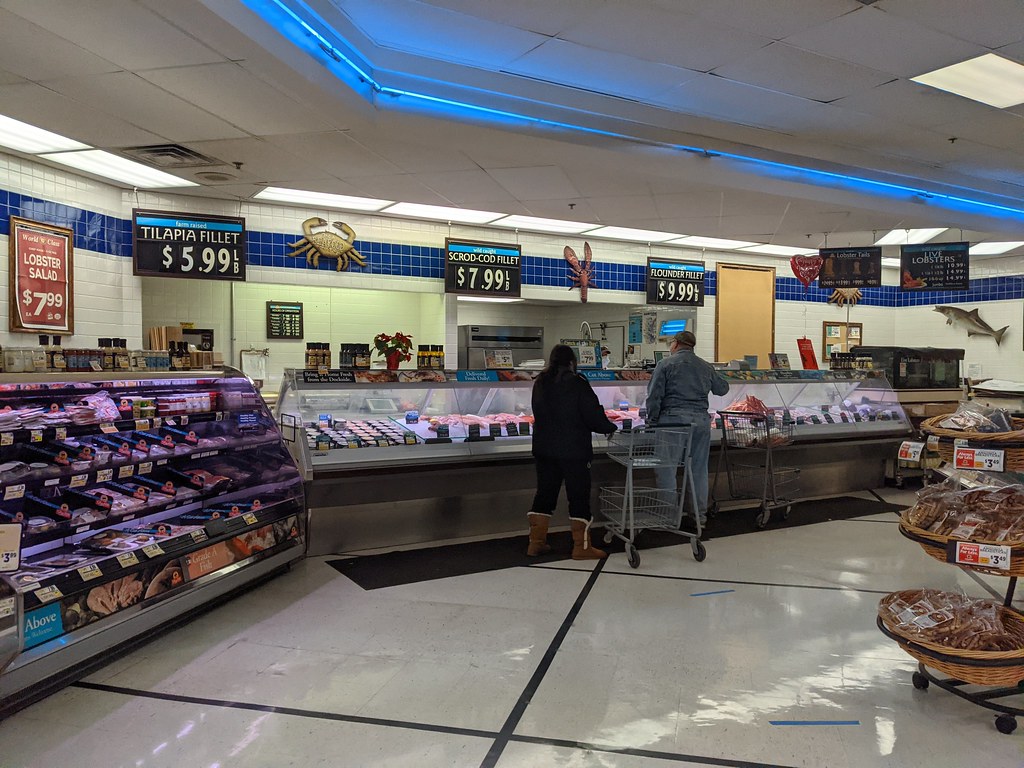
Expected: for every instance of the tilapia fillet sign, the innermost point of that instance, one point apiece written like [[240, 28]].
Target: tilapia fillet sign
[[972, 322]]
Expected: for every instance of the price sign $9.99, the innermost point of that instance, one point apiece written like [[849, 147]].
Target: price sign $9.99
[[684, 293], [206, 260]]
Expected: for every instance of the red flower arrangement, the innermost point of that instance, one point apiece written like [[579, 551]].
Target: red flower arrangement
[[394, 348]]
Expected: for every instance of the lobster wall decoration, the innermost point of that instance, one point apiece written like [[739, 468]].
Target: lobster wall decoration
[[582, 275], [337, 242]]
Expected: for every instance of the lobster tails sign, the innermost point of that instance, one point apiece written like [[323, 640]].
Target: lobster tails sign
[[198, 246], [482, 269], [678, 283]]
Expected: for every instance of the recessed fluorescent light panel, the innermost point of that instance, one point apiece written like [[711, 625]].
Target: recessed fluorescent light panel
[[909, 236], [711, 242], [557, 226], [993, 249], [443, 213], [321, 199], [490, 300], [639, 235], [990, 79], [889, 262], [779, 250], [110, 166], [27, 138]]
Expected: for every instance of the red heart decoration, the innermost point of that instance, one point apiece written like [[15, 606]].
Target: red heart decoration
[[806, 268]]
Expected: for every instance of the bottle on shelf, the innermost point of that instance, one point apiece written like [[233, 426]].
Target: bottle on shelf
[[107, 354], [39, 354], [438, 350], [57, 360]]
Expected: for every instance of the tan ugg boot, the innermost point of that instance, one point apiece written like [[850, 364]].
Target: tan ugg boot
[[538, 534], [581, 549]]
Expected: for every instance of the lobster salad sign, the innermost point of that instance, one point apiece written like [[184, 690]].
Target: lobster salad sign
[[42, 274], [198, 246], [679, 283], [482, 269]]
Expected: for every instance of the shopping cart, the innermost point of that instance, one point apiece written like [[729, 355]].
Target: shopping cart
[[627, 510], [754, 437]]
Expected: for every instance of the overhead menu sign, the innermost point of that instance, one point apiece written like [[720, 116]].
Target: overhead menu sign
[[198, 246], [284, 320], [482, 269], [935, 267], [679, 283], [850, 267]]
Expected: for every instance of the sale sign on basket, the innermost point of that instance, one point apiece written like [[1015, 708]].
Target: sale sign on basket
[[42, 278]]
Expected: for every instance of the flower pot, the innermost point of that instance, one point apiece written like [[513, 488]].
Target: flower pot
[[393, 359]]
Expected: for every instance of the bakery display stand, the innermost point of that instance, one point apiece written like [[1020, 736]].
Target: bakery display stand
[[128, 504]]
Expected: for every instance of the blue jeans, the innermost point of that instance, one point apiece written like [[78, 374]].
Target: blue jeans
[[700, 447]]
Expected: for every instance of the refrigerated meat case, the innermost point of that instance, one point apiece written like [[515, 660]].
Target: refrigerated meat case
[[139, 498], [381, 471]]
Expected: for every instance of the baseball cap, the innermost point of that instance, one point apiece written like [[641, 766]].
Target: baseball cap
[[685, 338]]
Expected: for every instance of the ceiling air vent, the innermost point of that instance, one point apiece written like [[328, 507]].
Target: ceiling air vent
[[170, 156]]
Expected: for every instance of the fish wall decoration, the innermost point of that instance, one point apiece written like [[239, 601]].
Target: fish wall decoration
[[972, 322]]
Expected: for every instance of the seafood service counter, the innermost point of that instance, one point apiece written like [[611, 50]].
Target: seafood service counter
[[411, 456]]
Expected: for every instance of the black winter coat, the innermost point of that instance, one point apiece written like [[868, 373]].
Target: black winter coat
[[566, 412]]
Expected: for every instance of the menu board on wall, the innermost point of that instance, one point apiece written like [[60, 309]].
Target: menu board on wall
[[482, 269], [284, 320], [678, 283], [851, 267], [42, 278], [935, 267], [195, 246]]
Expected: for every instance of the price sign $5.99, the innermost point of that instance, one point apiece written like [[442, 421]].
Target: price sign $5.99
[[205, 260], [669, 290], [474, 278]]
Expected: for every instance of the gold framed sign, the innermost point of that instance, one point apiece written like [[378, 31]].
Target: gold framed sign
[[41, 278]]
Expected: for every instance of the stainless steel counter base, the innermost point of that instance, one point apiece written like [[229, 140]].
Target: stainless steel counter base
[[370, 509]]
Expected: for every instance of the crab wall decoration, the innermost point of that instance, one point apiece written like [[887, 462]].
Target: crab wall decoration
[[582, 275], [327, 243], [841, 296]]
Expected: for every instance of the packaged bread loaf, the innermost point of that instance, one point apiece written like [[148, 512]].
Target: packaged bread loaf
[[951, 619]]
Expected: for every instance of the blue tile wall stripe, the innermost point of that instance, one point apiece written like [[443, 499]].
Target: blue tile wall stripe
[[112, 235]]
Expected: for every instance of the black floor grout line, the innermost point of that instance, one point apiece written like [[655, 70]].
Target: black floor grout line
[[309, 713], [652, 753], [512, 721]]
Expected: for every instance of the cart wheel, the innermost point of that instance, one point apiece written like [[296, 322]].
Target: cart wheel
[[920, 681], [713, 509], [763, 516], [699, 551], [608, 536], [634, 556], [786, 511], [1006, 723]]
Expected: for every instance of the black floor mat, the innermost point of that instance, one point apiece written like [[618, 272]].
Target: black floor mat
[[390, 569]]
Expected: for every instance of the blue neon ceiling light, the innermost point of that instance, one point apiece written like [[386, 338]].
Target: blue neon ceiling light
[[352, 69]]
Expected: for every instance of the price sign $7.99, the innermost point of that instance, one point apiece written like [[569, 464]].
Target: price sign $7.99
[[205, 260], [476, 278], [669, 290]]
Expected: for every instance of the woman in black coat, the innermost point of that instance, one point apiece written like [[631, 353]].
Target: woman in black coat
[[566, 412]]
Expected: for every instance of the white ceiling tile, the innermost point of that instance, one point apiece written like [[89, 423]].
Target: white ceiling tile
[[873, 38], [662, 34], [407, 153], [595, 182], [237, 96], [264, 161], [465, 188], [547, 182], [34, 53], [720, 98], [336, 153], [600, 71], [781, 67], [122, 31], [201, 23], [121, 93], [559, 209], [772, 18], [7, 78], [400, 186], [541, 16], [913, 104], [625, 207], [992, 24]]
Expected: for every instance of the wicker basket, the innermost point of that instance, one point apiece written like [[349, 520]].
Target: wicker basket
[[935, 544], [1011, 443]]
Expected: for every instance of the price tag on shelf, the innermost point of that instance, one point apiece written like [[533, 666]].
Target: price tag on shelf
[[104, 475], [153, 550], [47, 594], [10, 547], [933, 442], [61, 433], [986, 555], [90, 572], [36, 436], [126, 471], [108, 429], [156, 422], [199, 535], [78, 481], [127, 559], [184, 420], [83, 528], [7, 438], [978, 458], [14, 491], [250, 518], [51, 482], [910, 451], [142, 424], [7, 606], [960, 443], [145, 467]]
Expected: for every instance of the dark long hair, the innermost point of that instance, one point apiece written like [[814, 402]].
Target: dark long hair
[[561, 363]]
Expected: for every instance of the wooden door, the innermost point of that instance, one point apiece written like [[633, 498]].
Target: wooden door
[[744, 312]]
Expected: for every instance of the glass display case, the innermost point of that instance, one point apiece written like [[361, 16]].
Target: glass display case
[[345, 419], [126, 502], [916, 368]]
